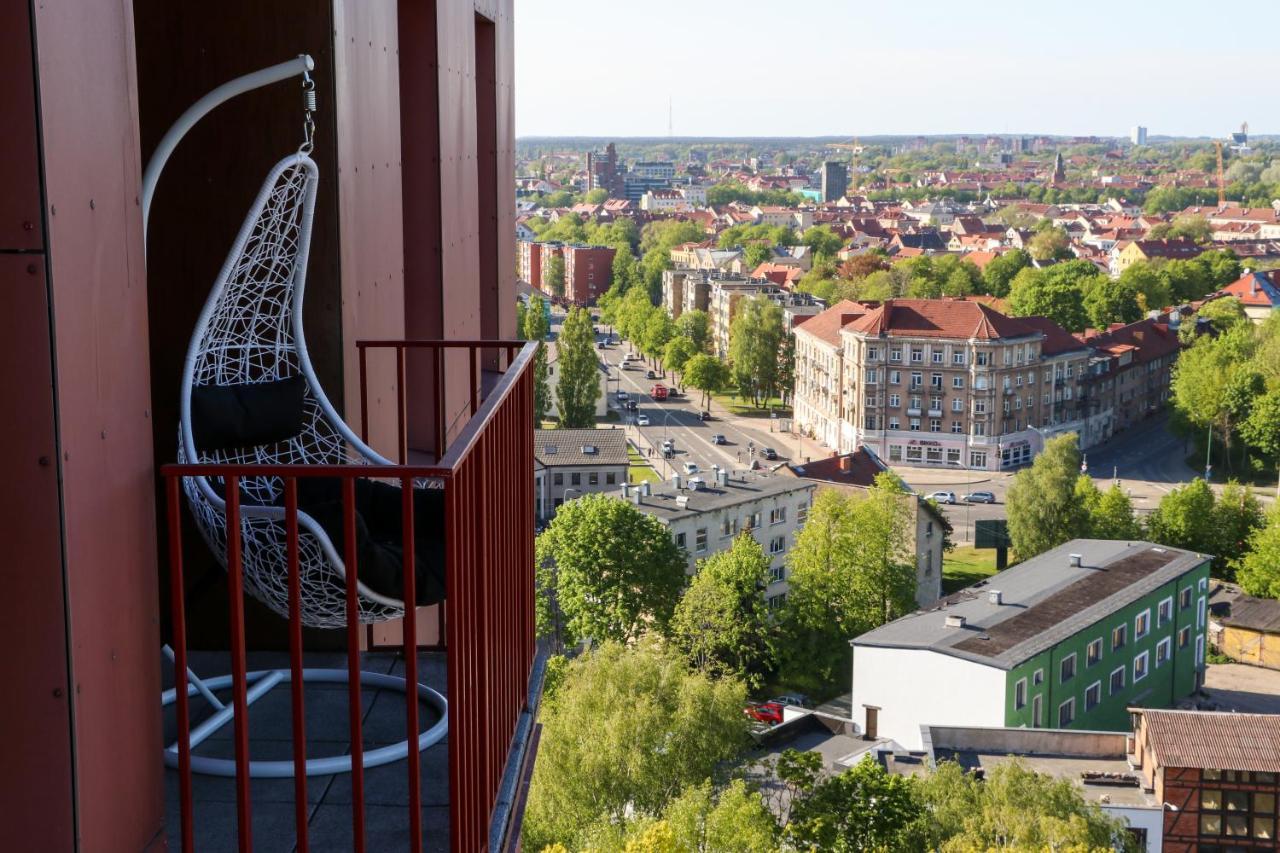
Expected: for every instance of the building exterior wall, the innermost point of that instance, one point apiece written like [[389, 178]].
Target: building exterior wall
[[673, 292], [780, 515], [1190, 822], [551, 484], [915, 687], [530, 254], [1161, 687], [588, 272], [1250, 646], [818, 378]]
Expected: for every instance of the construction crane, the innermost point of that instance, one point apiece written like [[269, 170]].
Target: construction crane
[[854, 148], [1222, 182]]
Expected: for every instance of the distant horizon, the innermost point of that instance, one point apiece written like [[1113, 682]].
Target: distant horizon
[[873, 138], [729, 70]]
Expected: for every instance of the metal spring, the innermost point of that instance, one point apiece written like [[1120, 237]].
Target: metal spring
[[309, 100]]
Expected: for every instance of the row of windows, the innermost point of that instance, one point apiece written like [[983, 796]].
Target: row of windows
[[729, 527], [1238, 814], [593, 478]]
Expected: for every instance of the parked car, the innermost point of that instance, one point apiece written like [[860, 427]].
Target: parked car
[[764, 712], [622, 395], [600, 344], [649, 374], [704, 415], [642, 420], [691, 467], [942, 497], [769, 453], [719, 439], [980, 498], [799, 700]]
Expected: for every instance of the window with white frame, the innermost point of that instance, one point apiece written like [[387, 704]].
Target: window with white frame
[[1164, 612], [1117, 681], [777, 573], [700, 540], [953, 455], [895, 353], [957, 382], [957, 357], [1066, 713], [777, 515], [895, 401], [1142, 624], [1020, 694], [957, 427], [1093, 653], [1140, 667], [802, 512], [777, 544], [1164, 650], [893, 424], [895, 450], [1067, 668], [915, 453], [1092, 696]]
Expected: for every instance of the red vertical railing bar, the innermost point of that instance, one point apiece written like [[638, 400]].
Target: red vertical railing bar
[[364, 395], [235, 592], [355, 709], [411, 665], [295, 663], [177, 602], [453, 510], [402, 413]]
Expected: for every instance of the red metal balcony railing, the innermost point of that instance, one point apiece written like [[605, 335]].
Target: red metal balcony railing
[[486, 473]]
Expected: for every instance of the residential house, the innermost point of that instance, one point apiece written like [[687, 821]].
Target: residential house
[[1126, 253], [791, 217], [1258, 292], [1071, 638], [570, 463], [856, 472], [706, 513], [1215, 775]]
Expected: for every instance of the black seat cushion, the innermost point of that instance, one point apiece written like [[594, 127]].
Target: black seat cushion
[[225, 417], [379, 533]]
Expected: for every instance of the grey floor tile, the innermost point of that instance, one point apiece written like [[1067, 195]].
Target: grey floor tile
[[386, 829]]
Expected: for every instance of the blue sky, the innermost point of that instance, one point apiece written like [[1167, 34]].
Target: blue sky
[[818, 67]]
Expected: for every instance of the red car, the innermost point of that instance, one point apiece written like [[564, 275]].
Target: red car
[[764, 712]]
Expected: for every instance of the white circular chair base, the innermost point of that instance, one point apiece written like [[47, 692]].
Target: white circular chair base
[[323, 766]]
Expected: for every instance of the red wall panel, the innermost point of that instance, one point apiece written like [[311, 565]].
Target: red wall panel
[[89, 122]]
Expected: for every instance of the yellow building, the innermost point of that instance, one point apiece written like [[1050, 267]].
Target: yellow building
[[1244, 628]]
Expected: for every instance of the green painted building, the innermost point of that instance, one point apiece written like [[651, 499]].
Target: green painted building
[[1069, 639]]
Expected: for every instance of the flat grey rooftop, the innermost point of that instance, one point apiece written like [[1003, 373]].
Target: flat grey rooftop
[[1043, 601], [1069, 767], [328, 797], [662, 502]]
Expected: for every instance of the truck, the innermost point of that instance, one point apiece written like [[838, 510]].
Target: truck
[[658, 391]]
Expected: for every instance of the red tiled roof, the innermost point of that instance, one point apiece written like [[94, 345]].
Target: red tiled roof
[[1152, 339], [826, 325], [1255, 289], [939, 318], [1057, 340], [862, 469], [1215, 740]]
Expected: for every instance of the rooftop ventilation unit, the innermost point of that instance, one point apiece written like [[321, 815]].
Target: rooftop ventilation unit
[[1077, 560], [994, 596], [955, 620]]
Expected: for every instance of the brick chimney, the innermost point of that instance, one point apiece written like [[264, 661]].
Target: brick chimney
[[846, 463]]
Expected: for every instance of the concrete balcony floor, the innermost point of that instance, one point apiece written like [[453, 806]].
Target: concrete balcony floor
[[327, 729]]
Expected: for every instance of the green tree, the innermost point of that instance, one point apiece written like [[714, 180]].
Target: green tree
[[1048, 244], [852, 568], [1184, 518], [613, 571], [536, 329], [1108, 302], [755, 337], [1013, 808], [756, 254], [579, 386], [1035, 293], [706, 373], [1150, 288], [732, 820], [1212, 383], [627, 731], [1225, 313], [824, 242], [1236, 515], [597, 196], [626, 272], [1258, 571], [863, 808], [677, 352], [1261, 430], [721, 622], [1041, 504], [553, 275], [658, 330], [1112, 517], [696, 326], [1187, 227]]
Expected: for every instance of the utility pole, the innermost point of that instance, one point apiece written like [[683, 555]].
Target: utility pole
[[1208, 467]]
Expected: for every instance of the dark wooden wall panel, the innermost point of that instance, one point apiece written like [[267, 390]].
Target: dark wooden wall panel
[[21, 228], [89, 123], [486, 93], [501, 13]]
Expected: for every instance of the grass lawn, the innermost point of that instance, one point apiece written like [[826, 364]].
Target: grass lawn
[[743, 408], [640, 470], [965, 566]]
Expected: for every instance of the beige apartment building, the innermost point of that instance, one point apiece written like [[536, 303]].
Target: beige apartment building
[[937, 382]]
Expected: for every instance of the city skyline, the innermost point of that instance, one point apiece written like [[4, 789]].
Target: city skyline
[[705, 74]]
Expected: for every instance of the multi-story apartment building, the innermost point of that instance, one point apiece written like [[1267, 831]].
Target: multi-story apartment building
[[834, 179], [725, 295], [588, 272], [705, 518], [673, 290], [411, 240], [1128, 377], [1070, 639], [529, 254], [936, 382], [663, 170], [1215, 775], [570, 463]]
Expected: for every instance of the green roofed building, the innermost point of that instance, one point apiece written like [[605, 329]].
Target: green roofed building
[[1069, 639]]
